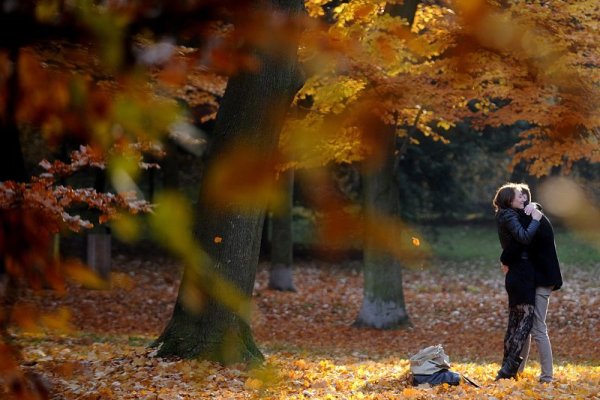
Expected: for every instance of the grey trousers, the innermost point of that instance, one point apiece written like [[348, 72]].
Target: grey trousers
[[539, 332]]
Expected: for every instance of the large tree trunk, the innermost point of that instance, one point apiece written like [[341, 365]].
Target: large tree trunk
[[12, 163], [282, 241], [383, 304], [12, 167], [252, 112]]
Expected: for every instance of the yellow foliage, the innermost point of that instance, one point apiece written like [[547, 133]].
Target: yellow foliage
[[536, 56]]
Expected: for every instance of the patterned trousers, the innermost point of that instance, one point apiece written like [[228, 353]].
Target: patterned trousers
[[520, 321]]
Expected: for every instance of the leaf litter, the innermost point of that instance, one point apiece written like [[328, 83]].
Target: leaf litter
[[312, 349]]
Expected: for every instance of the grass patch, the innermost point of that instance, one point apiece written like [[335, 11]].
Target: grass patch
[[461, 243], [470, 242]]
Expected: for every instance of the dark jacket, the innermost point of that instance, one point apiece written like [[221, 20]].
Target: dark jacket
[[520, 279], [541, 250], [510, 228]]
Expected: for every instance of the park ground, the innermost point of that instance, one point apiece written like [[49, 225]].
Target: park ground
[[311, 348]]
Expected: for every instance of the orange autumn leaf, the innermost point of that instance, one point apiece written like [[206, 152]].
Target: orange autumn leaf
[[58, 320], [243, 178], [83, 275]]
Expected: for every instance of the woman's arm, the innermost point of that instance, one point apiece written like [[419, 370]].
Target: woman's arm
[[509, 219]]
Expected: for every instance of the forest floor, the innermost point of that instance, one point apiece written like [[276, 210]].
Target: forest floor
[[311, 347]]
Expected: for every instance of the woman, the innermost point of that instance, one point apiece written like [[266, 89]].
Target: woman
[[520, 279], [548, 278]]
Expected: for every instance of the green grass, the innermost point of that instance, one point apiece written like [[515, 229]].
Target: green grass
[[474, 242], [461, 243], [468, 242]]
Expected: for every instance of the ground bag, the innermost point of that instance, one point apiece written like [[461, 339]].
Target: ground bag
[[430, 360], [443, 376], [431, 365]]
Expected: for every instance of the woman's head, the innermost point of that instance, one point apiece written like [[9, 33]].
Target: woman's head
[[509, 195]]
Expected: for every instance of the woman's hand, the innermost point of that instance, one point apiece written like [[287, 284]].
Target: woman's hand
[[529, 208], [504, 268], [536, 214]]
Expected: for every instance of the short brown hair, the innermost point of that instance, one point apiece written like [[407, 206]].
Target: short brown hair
[[505, 196], [525, 190]]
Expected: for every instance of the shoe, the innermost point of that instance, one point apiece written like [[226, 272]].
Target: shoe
[[546, 380], [510, 367]]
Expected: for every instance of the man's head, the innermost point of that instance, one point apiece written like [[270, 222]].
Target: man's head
[[526, 192]]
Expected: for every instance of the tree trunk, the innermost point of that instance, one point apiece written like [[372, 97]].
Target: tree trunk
[[383, 304], [98, 241], [170, 166], [280, 275], [12, 167], [252, 111], [12, 163], [265, 241]]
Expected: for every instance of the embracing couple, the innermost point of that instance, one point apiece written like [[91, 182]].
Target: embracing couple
[[532, 272]]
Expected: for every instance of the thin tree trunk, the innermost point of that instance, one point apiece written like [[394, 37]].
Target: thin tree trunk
[[170, 166], [252, 111], [383, 304], [265, 241], [282, 258]]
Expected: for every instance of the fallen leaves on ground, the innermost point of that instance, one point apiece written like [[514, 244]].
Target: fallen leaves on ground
[[311, 348]]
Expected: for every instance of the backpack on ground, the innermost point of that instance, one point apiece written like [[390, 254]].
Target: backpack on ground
[[432, 365]]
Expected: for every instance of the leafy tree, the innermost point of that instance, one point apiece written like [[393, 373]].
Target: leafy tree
[[383, 296], [246, 134], [80, 70]]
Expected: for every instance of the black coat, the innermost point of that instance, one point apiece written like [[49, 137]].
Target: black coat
[[542, 253], [520, 279]]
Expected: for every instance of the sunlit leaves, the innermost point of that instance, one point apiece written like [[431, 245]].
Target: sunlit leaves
[[330, 95], [520, 62], [315, 8]]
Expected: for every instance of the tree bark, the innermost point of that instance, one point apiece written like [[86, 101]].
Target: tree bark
[[12, 163], [170, 166], [12, 167], [252, 112], [383, 304], [282, 258]]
